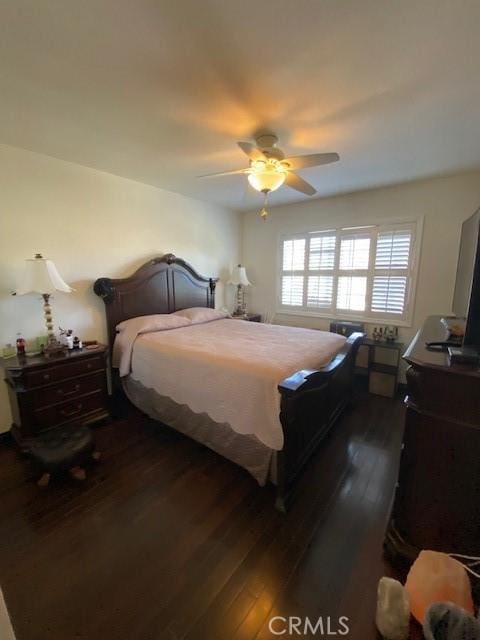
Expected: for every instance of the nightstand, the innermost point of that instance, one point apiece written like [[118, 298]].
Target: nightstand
[[48, 392], [250, 317], [383, 366]]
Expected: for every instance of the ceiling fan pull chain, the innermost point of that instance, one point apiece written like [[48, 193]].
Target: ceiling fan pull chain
[[264, 212]]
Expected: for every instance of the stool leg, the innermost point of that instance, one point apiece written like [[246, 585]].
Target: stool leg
[[44, 480], [78, 473], [96, 455]]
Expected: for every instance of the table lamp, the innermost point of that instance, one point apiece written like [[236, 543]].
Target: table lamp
[[240, 280], [41, 276]]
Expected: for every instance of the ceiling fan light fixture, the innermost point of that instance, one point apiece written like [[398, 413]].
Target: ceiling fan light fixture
[[267, 180], [269, 169], [258, 165]]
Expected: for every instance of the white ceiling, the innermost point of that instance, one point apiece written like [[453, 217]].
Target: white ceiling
[[160, 90]]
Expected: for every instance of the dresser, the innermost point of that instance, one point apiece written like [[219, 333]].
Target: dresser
[[48, 392], [437, 498]]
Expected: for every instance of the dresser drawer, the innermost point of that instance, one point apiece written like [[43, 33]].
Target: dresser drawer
[[69, 411], [63, 371], [68, 390]]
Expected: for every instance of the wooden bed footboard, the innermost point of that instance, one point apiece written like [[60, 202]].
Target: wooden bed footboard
[[311, 402]]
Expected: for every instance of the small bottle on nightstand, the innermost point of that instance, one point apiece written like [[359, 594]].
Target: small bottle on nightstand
[[20, 345]]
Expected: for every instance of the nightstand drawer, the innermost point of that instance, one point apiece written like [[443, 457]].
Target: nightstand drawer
[[68, 390], [63, 371], [67, 411]]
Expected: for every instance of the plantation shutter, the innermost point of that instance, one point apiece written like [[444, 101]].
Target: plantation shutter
[[354, 252], [293, 272], [353, 271], [292, 290], [321, 263], [391, 273], [358, 272]]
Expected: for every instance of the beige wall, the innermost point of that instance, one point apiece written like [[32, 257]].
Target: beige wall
[[94, 224], [443, 203]]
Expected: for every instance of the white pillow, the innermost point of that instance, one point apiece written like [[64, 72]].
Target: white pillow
[[198, 315], [128, 330], [156, 322]]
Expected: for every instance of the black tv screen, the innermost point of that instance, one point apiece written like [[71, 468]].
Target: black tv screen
[[466, 299]]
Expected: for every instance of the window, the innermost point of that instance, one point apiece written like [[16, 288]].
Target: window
[[363, 272]]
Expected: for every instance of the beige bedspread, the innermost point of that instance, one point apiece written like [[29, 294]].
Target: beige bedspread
[[230, 369]]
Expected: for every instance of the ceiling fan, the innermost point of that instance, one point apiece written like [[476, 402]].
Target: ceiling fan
[[269, 169]]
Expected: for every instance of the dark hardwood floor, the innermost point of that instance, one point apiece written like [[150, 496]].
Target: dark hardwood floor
[[165, 539]]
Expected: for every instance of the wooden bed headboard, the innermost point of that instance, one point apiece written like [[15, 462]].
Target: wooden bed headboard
[[161, 285]]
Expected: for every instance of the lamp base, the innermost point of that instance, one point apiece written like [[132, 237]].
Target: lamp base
[[241, 308], [53, 349]]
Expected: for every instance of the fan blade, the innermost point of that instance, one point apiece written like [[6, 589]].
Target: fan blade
[[251, 151], [223, 173], [299, 184], [312, 160]]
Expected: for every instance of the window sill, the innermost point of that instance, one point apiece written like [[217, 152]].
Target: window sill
[[347, 317]]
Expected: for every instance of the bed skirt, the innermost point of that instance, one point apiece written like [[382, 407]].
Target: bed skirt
[[245, 450]]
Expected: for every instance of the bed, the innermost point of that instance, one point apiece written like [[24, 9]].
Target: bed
[[263, 396]]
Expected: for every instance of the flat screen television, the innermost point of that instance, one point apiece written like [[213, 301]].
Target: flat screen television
[[466, 298]]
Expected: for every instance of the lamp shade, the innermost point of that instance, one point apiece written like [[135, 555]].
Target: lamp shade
[[41, 276], [239, 276]]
